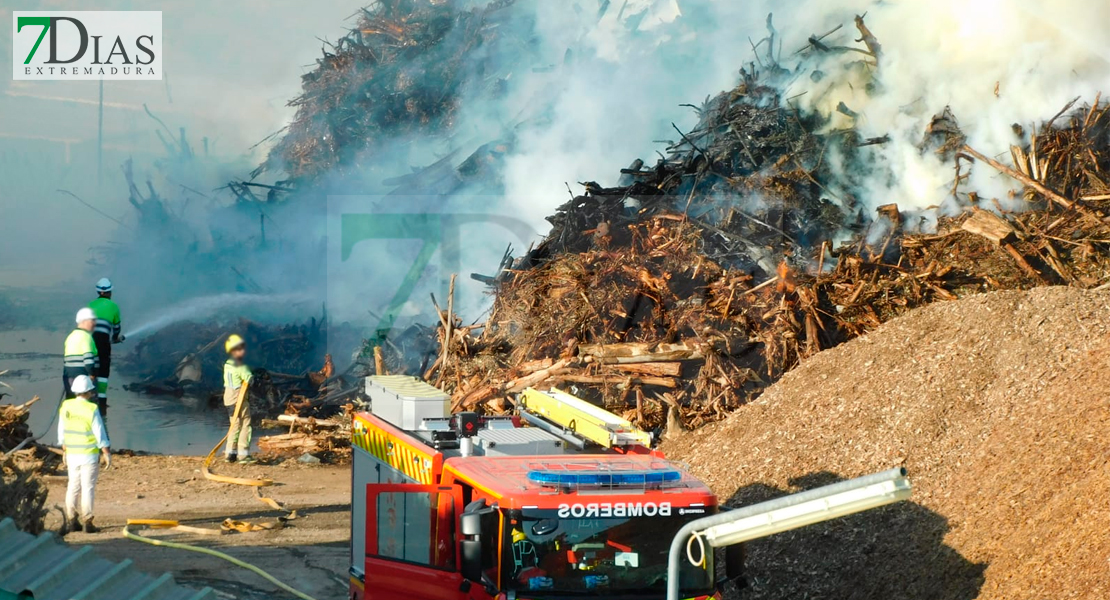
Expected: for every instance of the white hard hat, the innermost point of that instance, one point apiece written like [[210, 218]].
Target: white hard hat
[[85, 314], [104, 285], [82, 384]]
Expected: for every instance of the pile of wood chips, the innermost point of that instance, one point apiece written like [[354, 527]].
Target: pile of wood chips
[[996, 406]]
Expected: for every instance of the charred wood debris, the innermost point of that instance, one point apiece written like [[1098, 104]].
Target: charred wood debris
[[684, 291], [298, 390], [22, 491], [661, 306]]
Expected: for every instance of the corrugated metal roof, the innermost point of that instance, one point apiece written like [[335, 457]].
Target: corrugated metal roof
[[46, 569]]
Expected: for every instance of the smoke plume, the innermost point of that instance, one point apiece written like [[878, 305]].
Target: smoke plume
[[592, 85]]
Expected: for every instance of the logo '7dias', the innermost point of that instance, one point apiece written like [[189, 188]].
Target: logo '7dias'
[[76, 45]]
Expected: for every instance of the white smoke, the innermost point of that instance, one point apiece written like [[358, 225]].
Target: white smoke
[[615, 85], [609, 88], [995, 63]]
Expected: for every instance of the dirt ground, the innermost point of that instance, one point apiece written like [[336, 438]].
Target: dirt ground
[[310, 553], [997, 406]]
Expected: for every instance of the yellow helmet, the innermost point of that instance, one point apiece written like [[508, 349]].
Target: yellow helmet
[[518, 535], [233, 342]]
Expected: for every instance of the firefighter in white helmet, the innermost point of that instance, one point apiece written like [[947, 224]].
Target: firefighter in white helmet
[[84, 440], [80, 356], [108, 331]]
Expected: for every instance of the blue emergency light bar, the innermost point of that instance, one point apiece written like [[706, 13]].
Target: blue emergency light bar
[[595, 479]]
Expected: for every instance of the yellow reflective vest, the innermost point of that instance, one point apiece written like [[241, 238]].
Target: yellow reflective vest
[[235, 375], [81, 357], [77, 423]]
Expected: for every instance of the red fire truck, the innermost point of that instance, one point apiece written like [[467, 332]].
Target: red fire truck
[[561, 500]]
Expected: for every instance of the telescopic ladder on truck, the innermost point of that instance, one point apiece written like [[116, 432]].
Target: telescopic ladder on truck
[[575, 420]]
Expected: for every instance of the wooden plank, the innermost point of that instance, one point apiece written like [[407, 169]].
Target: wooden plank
[[631, 353], [519, 385], [379, 362], [652, 358], [615, 350], [989, 225], [310, 422], [300, 442], [667, 382], [1022, 261], [657, 369]]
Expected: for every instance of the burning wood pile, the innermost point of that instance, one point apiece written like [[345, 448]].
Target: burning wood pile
[[694, 283], [401, 71], [660, 294], [291, 367]]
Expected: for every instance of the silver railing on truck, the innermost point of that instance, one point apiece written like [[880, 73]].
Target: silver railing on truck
[[783, 514]]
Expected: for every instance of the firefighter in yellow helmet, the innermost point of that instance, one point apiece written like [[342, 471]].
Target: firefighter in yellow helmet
[[237, 376]]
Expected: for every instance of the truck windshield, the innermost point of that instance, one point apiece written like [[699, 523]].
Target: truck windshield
[[550, 552]]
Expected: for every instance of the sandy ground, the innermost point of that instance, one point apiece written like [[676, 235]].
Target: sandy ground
[[310, 553]]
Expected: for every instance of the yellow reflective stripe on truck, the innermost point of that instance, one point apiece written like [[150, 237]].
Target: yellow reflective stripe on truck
[[393, 452]]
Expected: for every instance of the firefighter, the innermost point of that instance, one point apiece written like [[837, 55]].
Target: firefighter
[[106, 333], [84, 440], [80, 356], [237, 375]]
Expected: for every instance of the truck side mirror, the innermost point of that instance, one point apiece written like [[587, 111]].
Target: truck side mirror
[[470, 523], [471, 563], [734, 564], [476, 519]]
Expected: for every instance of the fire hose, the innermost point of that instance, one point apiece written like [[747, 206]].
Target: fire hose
[[208, 461], [231, 559], [255, 483]]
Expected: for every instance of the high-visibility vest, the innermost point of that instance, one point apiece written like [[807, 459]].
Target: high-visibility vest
[[80, 350], [107, 317], [235, 375], [77, 424]]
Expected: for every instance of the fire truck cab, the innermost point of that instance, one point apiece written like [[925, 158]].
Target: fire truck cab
[[561, 500]]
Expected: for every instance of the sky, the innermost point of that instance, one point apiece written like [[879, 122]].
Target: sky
[[230, 68]]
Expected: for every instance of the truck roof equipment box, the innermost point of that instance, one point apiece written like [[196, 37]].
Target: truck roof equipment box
[[406, 401]]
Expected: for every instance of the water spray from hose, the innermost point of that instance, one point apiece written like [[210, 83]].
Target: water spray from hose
[[207, 306]]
